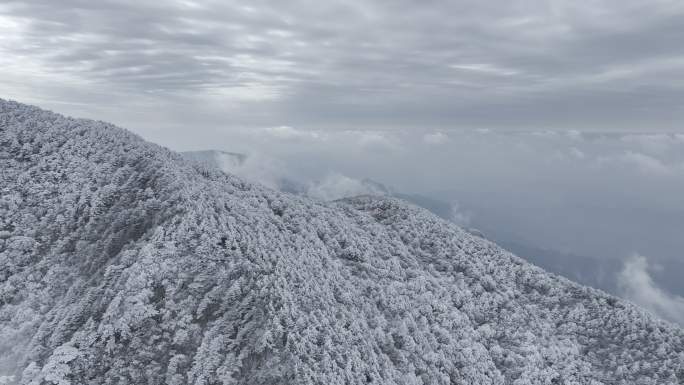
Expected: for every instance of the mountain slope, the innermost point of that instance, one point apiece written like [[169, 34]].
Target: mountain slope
[[122, 262]]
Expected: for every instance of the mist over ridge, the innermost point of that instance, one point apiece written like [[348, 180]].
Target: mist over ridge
[[124, 260]]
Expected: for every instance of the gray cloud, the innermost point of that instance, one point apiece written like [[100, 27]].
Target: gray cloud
[[637, 285], [348, 64]]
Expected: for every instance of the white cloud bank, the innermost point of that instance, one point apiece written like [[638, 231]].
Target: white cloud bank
[[257, 167], [337, 186], [636, 285]]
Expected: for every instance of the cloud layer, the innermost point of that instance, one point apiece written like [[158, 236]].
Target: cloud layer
[[638, 286], [176, 70]]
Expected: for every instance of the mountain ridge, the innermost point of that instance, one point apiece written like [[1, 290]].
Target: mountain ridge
[[124, 263]]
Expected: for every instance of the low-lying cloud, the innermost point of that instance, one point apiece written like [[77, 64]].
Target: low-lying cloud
[[637, 286], [336, 186]]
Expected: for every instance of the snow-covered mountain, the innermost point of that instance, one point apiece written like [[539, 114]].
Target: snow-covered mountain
[[122, 262]]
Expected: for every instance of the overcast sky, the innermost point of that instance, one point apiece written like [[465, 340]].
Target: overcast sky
[[159, 67]]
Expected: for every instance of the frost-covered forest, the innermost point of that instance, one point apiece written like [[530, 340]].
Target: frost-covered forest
[[122, 262]]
